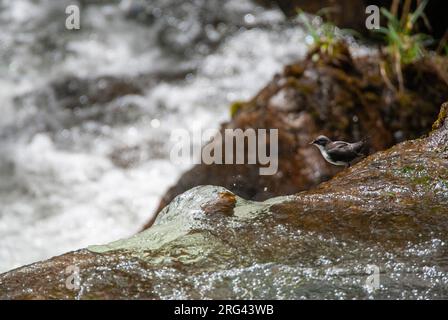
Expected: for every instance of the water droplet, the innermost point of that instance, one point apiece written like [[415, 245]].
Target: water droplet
[[157, 12], [83, 99], [309, 40], [249, 18], [155, 123]]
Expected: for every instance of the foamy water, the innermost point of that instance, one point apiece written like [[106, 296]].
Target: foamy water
[[71, 177]]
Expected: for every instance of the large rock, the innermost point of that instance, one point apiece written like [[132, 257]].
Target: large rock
[[390, 210], [340, 96]]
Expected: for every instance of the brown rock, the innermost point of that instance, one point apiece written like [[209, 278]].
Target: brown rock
[[390, 210], [340, 96]]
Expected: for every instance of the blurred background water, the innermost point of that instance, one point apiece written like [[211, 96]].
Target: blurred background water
[[86, 114]]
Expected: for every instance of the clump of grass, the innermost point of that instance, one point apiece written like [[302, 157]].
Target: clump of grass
[[322, 35], [404, 45], [400, 37], [324, 38]]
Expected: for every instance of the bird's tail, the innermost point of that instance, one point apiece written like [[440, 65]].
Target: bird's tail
[[364, 149]]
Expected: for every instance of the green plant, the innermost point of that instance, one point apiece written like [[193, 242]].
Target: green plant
[[400, 37], [323, 35], [403, 44], [235, 107]]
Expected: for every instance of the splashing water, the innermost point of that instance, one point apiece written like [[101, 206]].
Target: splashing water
[[87, 114]]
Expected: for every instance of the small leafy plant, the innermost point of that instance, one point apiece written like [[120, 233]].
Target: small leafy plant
[[323, 35], [400, 37], [404, 46]]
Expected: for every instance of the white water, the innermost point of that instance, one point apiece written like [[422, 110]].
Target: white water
[[59, 188]]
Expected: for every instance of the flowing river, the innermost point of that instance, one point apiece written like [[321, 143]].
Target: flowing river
[[86, 114]]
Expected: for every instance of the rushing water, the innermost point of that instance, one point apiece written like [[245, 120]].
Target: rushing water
[[82, 169]]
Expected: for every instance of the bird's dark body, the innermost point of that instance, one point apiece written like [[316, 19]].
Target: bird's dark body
[[339, 153]]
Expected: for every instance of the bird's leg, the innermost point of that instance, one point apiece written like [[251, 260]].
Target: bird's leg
[[348, 165]]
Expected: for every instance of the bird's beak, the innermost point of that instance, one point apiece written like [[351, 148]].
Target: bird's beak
[[312, 142]]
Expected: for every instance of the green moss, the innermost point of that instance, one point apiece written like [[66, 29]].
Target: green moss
[[390, 194], [441, 118], [407, 169], [422, 180], [416, 175], [235, 107]]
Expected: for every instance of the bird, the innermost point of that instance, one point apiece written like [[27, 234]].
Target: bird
[[339, 153]]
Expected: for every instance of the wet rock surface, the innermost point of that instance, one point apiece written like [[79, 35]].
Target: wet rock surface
[[340, 96], [389, 210]]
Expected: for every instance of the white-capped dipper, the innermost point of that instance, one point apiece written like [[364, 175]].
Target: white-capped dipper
[[339, 153]]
